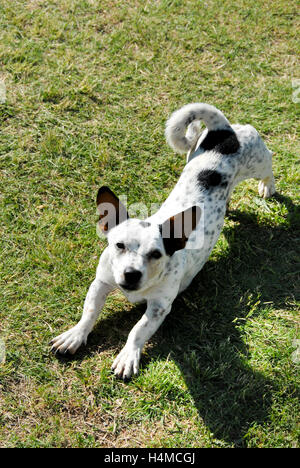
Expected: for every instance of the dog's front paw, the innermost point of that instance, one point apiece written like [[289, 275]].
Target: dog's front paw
[[69, 341], [127, 362]]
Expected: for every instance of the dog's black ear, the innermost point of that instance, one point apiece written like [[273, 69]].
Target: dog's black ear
[[176, 230], [112, 212]]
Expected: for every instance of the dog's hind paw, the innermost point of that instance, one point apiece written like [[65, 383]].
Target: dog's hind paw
[[266, 187], [126, 363]]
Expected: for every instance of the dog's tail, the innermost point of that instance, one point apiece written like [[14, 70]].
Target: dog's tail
[[176, 132]]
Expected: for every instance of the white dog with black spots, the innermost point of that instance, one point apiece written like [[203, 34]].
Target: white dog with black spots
[[155, 259]]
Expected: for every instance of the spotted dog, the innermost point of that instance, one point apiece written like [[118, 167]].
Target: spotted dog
[[155, 259]]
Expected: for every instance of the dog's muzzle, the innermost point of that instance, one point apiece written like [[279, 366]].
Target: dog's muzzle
[[132, 278]]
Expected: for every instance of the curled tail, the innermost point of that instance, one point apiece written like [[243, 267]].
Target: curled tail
[[176, 132]]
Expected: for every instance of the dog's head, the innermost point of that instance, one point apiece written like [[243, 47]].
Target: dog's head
[[139, 250]]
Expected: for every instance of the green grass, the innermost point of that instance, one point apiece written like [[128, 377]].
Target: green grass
[[90, 85]]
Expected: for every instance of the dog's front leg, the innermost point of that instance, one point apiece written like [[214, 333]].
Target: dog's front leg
[[70, 340], [127, 362]]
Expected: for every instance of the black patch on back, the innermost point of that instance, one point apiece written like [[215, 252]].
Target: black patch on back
[[223, 141], [210, 178]]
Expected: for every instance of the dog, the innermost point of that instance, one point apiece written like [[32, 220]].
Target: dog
[[155, 259]]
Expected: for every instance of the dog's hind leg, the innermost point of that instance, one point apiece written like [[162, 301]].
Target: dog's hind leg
[[263, 172], [266, 185]]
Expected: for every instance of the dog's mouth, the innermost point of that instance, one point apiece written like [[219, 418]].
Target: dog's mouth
[[129, 287]]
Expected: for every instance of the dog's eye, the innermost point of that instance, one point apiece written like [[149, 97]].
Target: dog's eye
[[154, 254], [120, 245]]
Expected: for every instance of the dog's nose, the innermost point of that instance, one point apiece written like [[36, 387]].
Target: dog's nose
[[131, 275]]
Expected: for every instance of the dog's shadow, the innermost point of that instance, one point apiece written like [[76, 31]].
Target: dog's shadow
[[205, 332]]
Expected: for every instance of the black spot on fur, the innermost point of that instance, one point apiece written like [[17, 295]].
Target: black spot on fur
[[145, 224], [190, 119], [223, 141], [209, 178], [156, 312]]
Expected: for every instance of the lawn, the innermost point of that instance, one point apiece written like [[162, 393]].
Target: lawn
[[89, 85]]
